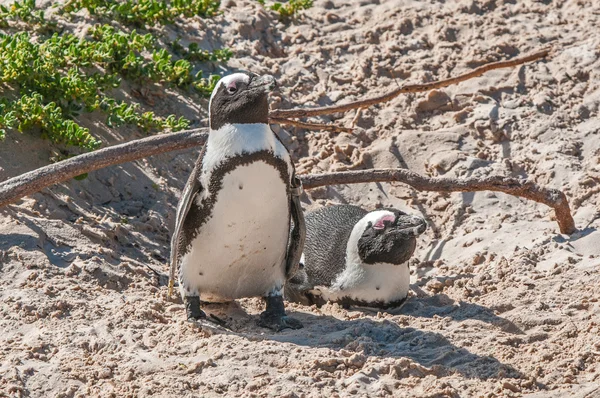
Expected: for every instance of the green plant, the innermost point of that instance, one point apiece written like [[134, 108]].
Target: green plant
[[289, 9], [160, 68], [51, 80], [30, 111], [195, 53], [60, 77], [145, 12], [21, 10]]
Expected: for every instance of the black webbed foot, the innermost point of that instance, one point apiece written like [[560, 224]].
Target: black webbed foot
[[274, 316], [192, 308]]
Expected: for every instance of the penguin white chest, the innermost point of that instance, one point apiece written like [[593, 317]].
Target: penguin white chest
[[369, 283], [240, 249]]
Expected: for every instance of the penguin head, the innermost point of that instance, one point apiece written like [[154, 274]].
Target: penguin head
[[240, 98], [388, 236]]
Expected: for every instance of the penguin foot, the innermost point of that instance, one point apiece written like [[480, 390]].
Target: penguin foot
[[274, 316], [192, 308]]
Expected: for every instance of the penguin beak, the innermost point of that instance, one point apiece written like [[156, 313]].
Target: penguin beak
[[408, 226], [263, 83]]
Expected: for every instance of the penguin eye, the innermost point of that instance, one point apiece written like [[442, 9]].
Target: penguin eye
[[231, 89]]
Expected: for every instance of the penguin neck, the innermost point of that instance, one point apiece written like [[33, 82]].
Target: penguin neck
[[234, 140], [355, 271], [358, 279], [354, 263]]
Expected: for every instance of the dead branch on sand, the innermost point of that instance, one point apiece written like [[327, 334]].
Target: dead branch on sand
[[34, 181], [525, 189], [411, 88]]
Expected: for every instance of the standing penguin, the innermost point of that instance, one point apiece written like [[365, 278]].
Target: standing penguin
[[232, 232], [355, 257]]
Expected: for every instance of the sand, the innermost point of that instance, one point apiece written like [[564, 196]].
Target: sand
[[501, 303]]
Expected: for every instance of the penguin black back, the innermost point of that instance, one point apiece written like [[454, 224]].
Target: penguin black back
[[336, 224]]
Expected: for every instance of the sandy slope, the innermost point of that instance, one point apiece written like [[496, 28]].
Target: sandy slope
[[502, 306]]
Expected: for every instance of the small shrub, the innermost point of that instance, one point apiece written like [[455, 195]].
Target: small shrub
[[145, 12], [21, 10], [195, 53], [61, 76], [289, 9]]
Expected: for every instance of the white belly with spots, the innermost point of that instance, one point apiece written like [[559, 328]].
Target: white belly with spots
[[240, 251], [369, 282]]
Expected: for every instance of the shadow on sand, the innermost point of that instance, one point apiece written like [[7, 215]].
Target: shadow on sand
[[443, 306], [383, 339], [386, 339]]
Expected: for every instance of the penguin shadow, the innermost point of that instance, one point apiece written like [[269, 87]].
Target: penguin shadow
[[443, 306], [372, 337], [386, 339]]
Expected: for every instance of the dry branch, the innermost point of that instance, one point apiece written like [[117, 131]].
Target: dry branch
[[36, 180], [526, 189], [411, 88], [311, 126]]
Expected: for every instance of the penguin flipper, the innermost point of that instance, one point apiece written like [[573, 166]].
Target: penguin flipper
[[298, 234], [191, 189]]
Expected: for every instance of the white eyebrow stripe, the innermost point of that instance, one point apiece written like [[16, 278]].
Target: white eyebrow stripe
[[225, 81]]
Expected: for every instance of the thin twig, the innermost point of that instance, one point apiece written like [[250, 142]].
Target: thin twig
[[592, 392], [311, 126], [526, 189], [411, 88], [356, 117]]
